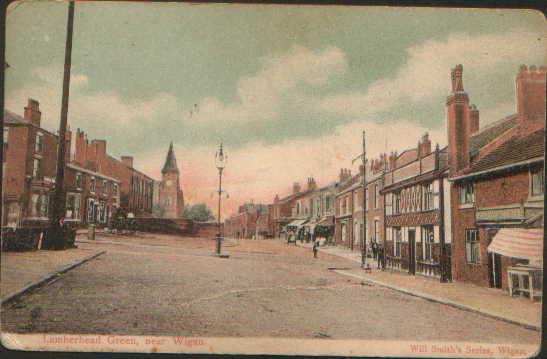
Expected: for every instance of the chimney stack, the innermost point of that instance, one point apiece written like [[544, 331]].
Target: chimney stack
[[128, 161], [344, 174], [392, 160], [32, 112], [457, 110], [311, 184], [424, 146], [296, 188], [473, 120], [530, 89]]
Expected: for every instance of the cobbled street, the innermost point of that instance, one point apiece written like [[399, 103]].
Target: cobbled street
[[163, 285]]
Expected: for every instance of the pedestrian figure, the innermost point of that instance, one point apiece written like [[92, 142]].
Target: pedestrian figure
[[315, 245], [374, 249]]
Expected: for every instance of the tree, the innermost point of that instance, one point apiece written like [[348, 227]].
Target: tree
[[198, 212], [158, 210]]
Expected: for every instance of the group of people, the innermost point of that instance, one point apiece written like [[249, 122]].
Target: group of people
[[378, 253]]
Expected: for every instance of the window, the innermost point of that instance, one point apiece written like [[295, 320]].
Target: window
[[472, 248], [376, 196], [114, 189], [79, 180], [39, 145], [376, 230], [538, 182], [92, 184], [6, 135], [398, 239], [428, 238], [467, 193], [427, 196], [105, 186], [39, 205], [73, 207], [397, 203], [356, 205], [90, 210], [37, 168], [168, 201], [298, 208]]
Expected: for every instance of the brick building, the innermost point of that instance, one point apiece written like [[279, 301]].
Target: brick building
[[416, 194], [498, 182], [251, 219], [349, 206], [136, 188], [289, 209], [344, 208], [170, 195], [321, 217], [29, 169]]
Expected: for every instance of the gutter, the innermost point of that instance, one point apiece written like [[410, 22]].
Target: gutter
[[496, 169]]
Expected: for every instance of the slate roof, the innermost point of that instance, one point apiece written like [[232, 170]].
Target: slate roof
[[170, 161], [516, 149], [11, 118], [491, 132]]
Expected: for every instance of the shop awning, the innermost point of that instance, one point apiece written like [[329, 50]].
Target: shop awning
[[519, 243], [326, 221], [297, 223]]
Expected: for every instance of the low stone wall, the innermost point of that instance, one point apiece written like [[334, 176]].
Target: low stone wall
[[206, 229], [178, 226]]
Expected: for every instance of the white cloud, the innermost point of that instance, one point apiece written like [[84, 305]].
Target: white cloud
[[426, 72], [280, 82], [106, 108]]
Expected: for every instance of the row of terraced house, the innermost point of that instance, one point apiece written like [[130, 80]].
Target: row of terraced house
[[466, 212], [96, 183]]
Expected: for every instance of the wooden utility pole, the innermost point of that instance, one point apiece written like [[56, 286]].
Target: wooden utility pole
[[364, 245], [59, 195]]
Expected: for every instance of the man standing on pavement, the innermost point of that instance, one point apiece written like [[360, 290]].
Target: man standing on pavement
[[315, 245]]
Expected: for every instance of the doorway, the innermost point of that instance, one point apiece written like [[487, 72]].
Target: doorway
[[495, 273], [412, 251]]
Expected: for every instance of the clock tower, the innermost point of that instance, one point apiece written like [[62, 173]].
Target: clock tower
[[171, 197]]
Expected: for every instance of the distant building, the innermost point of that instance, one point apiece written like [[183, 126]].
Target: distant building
[[498, 182], [170, 195], [251, 220]]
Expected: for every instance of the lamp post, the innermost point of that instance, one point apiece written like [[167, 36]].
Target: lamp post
[[363, 157], [220, 162]]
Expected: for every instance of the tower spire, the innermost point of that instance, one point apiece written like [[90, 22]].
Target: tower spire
[[170, 161]]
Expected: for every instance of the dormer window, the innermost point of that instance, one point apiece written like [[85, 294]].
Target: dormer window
[[537, 185]]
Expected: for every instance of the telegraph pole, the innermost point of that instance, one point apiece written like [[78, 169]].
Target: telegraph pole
[[364, 245], [59, 195]]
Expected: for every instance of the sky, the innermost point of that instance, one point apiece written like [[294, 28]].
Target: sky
[[288, 89]]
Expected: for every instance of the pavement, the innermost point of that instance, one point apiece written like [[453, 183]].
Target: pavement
[[21, 271], [491, 302]]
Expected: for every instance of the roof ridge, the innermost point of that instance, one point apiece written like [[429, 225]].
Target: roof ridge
[[494, 124]]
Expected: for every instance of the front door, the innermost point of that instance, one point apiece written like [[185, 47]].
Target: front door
[[411, 251], [496, 270]]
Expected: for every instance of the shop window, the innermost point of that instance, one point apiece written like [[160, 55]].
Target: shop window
[[39, 205], [73, 207], [79, 180], [472, 246], [538, 181], [428, 239]]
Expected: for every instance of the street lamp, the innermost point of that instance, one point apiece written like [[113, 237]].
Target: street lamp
[[220, 162]]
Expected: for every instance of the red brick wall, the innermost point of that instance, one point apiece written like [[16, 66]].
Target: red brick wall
[[511, 188]]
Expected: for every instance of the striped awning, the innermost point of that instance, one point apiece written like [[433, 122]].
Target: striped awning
[[519, 243]]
